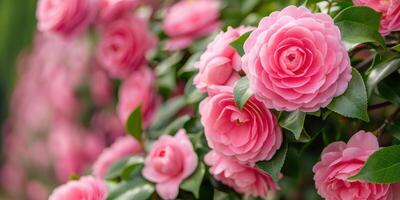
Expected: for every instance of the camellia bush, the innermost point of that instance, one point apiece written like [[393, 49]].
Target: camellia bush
[[208, 99]]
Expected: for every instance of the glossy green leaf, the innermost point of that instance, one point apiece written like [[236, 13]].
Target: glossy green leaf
[[273, 167], [382, 167], [388, 90], [242, 92], [353, 103], [359, 25], [394, 128], [167, 112], [136, 188], [193, 183], [118, 168], [134, 124], [380, 72], [293, 122], [238, 43]]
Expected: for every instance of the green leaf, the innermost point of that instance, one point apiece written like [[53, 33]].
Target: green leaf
[[382, 167], [353, 103], [359, 25], [192, 94], [167, 111], [189, 66], [242, 92], [118, 168], [380, 72], [171, 129], [136, 188], [293, 122], [396, 48], [134, 124], [166, 65], [193, 183], [394, 128], [387, 91], [273, 167], [238, 43]]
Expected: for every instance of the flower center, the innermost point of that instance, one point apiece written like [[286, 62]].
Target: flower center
[[292, 58], [168, 161], [240, 118]]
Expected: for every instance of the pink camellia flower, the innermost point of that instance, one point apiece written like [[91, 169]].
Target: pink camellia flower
[[138, 90], [88, 188], [122, 147], [65, 18], [240, 177], [390, 10], [220, 64], [110, 10], [170, 161], [339, 161], [295, 60], [187, 20], [248, 135], [123, 46]]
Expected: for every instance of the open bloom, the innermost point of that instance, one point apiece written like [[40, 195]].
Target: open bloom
[[87, 188], [122, 147], [65, 18], [390, 10], [123, 46], [220, 63], [248, 135], [138, 90], [339, 161], [295, 60], [170, 161], [188, 20], [240, 177]]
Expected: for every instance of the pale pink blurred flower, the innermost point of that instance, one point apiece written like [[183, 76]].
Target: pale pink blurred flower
[[36, 190], [108, 123], [101, 86], [121, 148], [295, 60], [340, 161], [138, 90], [188, 20], [123, 46], [170, 161], [110, 10], [12, 178], [390, 10], [65, 18], [73, 149], [248, 135], [242, 178], [220, 63], [86, 188]]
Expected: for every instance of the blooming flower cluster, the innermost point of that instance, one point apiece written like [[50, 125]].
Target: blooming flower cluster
[[138, 99]]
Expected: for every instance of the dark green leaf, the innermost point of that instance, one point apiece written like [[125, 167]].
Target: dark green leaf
[[387, 90], [359, 25], [136, 188], [166, 65], [193, 183], [382, 167], [293, 122], [192, 94], [238, 43], [134, 124], [189, 66], [242, 92], [118, 168], [380, 72], [171, 129], [167, 111], [273, 167], [353, 103], [396, 48], [394, 128]]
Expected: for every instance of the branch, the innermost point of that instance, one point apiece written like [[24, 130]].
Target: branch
[[379, 106], [387, 121]]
